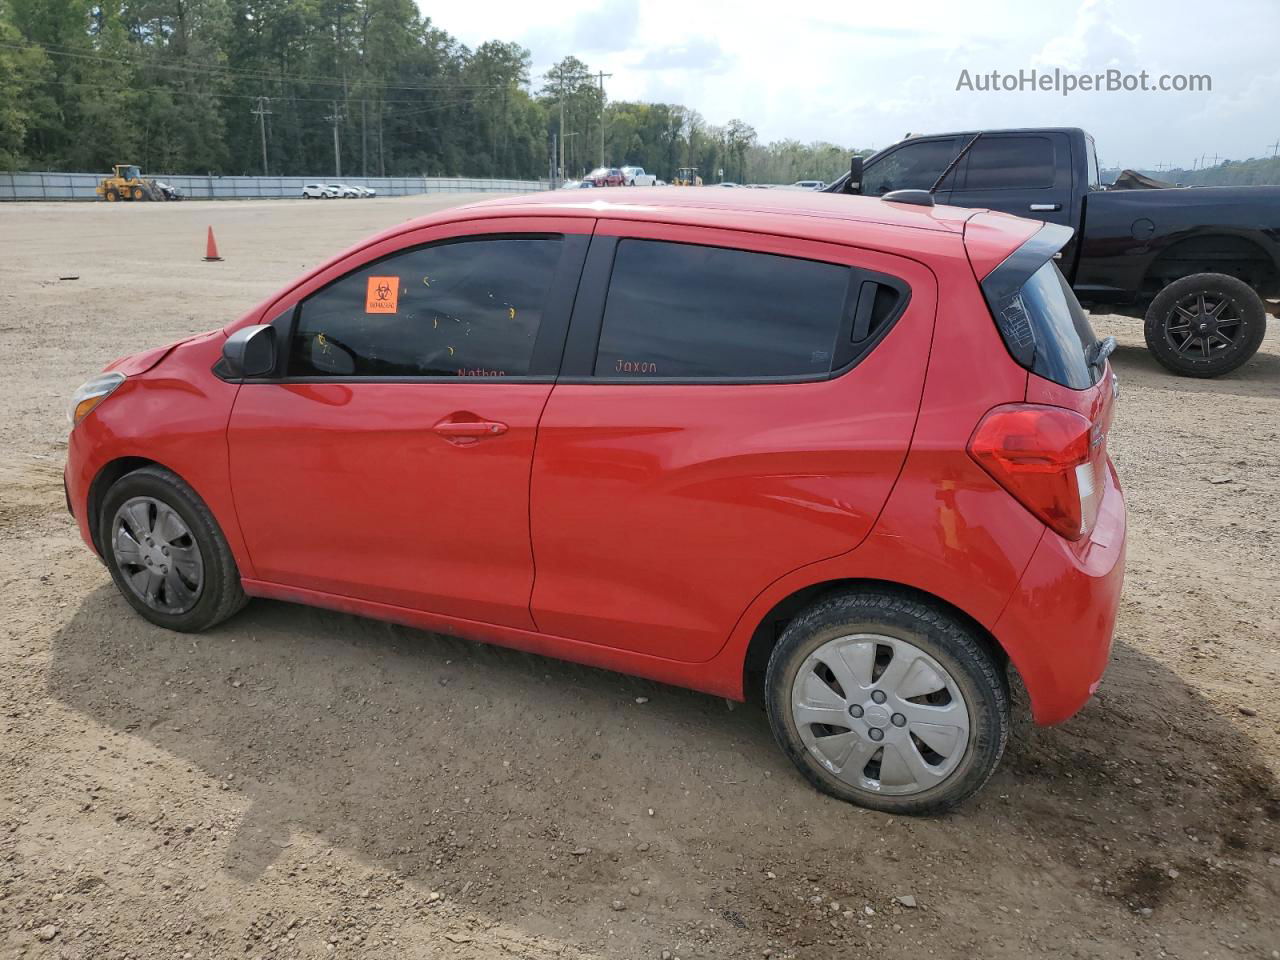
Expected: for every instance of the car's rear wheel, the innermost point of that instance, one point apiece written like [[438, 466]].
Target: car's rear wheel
[[1205, 325], [166, 553], [887, 702]]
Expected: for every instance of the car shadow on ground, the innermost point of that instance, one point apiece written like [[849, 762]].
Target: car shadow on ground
[[1260, 375], [450, 762]]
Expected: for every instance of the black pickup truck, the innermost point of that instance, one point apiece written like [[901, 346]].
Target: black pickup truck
[[1197, 263]]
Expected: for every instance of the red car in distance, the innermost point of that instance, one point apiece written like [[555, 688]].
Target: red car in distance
[[607, 177], [845, 454]]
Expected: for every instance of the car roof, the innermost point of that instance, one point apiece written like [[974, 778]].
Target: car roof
[[1004, 130], [771, 211]]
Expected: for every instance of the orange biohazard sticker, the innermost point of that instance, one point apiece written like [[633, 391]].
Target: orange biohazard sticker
[[382, 295]]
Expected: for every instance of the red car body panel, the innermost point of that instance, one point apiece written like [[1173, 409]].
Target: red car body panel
[[650, 528], [443, 524], [1058, 625], [640, 490], [174, 414]]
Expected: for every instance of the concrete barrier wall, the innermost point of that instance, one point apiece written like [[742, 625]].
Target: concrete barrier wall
[[80, 186]]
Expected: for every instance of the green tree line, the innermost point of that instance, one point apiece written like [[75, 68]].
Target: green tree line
[[196, 86], [1254, 172]]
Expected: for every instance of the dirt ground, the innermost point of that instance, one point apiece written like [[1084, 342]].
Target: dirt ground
[[299, 783]]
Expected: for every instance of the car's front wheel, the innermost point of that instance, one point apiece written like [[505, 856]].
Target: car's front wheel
[[887, 702], [166, 553]]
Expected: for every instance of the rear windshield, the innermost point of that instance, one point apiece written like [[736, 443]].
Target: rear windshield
[[1042, 322]]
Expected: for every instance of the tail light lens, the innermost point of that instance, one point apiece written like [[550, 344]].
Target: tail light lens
[[1050, 459]]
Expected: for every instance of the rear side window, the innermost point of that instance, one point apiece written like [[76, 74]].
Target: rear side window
[[686, 311], [460, 309], [1045, 328], [1009, 163]]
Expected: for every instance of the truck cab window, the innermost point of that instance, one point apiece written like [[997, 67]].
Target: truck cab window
[[913, 166], [1009, 163]]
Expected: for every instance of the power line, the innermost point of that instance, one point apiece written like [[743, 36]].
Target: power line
[[225, 72], [468, 100]]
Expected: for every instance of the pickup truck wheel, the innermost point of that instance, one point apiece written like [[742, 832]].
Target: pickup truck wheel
[[1205, 325], [884, 701]]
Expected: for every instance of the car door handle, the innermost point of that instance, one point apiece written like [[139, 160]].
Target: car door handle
[[472, 430], [1046, 206]]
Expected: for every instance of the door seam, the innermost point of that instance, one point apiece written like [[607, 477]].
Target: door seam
[[537, 431]]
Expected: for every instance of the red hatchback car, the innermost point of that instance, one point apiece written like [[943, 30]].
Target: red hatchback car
[[849, 452]]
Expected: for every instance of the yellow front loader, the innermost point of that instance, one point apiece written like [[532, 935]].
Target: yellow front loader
[[687, 177], [127, 183]]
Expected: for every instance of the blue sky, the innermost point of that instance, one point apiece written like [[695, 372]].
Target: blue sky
[[867, 74]]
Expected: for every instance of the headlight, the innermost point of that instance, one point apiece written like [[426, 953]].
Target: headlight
[[90, 394]]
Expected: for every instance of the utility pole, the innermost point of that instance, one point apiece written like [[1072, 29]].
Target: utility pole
[[561, 130], [336, 118], [562, 142], [1274, 148], [262, 111], [602, 76]]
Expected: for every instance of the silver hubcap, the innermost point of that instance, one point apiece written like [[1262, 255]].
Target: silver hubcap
[[880, 714], [157, 555]]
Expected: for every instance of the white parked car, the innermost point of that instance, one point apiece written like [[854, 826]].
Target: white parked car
[[636, 177], [320, 191], [346, 190], [810, 184]]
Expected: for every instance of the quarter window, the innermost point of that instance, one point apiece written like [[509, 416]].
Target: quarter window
[[689, 311], [458, 309]]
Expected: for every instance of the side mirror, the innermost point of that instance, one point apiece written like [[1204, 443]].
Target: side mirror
[[855, 175], [250, 352]]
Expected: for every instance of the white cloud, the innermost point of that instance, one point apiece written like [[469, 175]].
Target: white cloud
[[1095, 42], [864, 75]]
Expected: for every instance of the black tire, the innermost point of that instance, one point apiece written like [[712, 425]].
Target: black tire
[[1189, 355], [113, 195], [932, 631], [220, 595]]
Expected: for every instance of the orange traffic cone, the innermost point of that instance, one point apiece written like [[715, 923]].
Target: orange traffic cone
[[211, 247]]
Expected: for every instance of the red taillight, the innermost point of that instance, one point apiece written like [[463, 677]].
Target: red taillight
[[1052, 460]]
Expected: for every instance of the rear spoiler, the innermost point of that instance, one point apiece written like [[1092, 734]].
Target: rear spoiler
[[1001, 286]]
